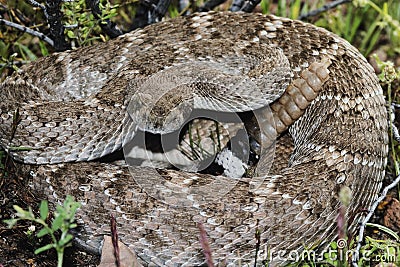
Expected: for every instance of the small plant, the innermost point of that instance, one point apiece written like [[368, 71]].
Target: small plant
[[64, 218], [80, 23]]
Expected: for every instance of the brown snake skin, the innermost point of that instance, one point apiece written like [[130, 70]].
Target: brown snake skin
[[326, 103]]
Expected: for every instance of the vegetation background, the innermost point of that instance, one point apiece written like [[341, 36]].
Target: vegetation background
[[370, 25]]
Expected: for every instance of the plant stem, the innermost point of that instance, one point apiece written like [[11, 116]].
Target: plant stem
[[60, 256]]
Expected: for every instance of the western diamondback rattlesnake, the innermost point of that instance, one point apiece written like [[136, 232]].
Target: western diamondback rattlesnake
[[313, 91]]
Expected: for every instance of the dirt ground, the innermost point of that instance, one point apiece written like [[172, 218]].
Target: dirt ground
[[16, 246]]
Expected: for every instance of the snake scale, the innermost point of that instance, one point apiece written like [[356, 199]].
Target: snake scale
[[312, 90]]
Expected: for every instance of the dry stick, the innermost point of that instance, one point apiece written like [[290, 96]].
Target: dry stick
[[324, 8], [39, 5], [114, 239], [205, 245], [258, 244], [22, 28], [370, 213]]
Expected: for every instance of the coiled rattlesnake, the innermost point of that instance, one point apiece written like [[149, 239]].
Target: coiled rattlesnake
[[313, 91]]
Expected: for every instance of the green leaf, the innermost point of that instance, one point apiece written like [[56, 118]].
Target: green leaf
[[19, 210], [44, 248], [282, 8], [295, 9], [23, 214], [57, 223], [43, 232], [71, 34], [385, 229], [44, 210], [65, 240], [373, 41], [43, 49], [26, 52], [11, 222]]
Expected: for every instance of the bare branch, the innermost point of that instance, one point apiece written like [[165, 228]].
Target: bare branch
[[368, 217], [205, 245], [22, 28], [324, 8], [39, 5], [114, 239]]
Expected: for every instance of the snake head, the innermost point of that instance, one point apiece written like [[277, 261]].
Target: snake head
[[162, 115]]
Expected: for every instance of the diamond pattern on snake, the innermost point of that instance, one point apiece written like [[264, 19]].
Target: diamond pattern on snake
[[311, 107]]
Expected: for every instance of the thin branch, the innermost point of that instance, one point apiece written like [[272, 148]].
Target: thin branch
[[324, 8], [109, 27], [114, 239], [258, 244], [205, 245], [22, 28], [36, 4], [39, 5], [368, 217]]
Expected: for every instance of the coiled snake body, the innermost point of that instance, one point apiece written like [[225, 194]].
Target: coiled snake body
[[324, 100]]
